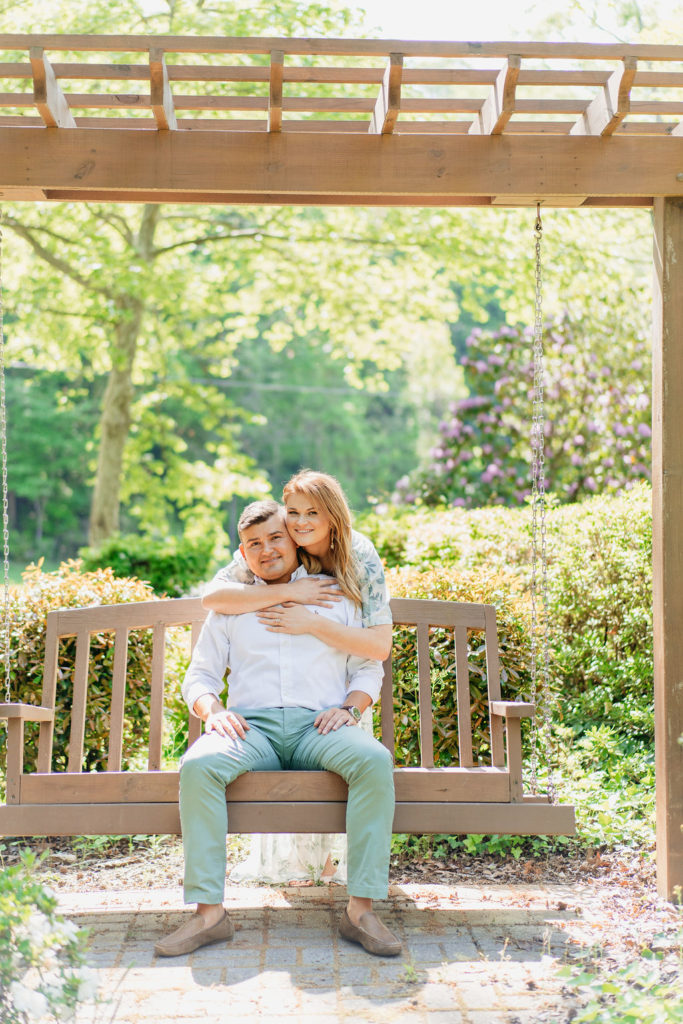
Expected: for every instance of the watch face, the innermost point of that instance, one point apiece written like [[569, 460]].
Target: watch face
[[355, 712]]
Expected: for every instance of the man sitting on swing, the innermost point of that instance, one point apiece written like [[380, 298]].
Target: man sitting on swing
[[294, 703]]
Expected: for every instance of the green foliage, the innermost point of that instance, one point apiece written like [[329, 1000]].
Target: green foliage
[[42, 960], [641, 992], [442, 847], [493, 539], [611, 782], [601, 613], [513, 640], [171, 566], [388, 529], [69, 587], [305, 411], [48, 481]]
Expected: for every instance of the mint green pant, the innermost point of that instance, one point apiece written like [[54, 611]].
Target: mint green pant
[[286, 738]]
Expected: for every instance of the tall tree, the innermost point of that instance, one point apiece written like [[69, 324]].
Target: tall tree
[[125, 290]]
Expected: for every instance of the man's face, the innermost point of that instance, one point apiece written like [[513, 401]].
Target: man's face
[[269, 550]]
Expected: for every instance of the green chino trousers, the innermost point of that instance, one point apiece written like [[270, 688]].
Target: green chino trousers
[[285, 738]]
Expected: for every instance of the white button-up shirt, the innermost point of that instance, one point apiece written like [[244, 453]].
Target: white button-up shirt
[[277, 670]]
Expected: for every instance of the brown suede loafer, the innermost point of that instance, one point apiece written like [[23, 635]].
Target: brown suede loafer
[[371, 934], [192, 934]]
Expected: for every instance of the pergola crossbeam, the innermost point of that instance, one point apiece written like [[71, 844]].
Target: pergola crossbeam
[[395, 168], [160, 96], [277, 63], [609, 108], [388, 103], [47, 95], [499, 105]]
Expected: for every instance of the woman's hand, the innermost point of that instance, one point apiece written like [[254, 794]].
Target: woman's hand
[[307, 590], [288, 618], [226, 723], [333, 719]]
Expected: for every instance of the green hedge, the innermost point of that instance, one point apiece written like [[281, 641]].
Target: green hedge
[[171, 566], [600, 591], [601, 614], [70, 587]]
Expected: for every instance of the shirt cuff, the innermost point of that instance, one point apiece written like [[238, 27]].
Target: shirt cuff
[[193, 694]]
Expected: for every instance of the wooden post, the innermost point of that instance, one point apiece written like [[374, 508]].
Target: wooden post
[[667, 488]]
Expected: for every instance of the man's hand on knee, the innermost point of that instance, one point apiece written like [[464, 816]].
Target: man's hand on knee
[[227, 723], [333, 719]]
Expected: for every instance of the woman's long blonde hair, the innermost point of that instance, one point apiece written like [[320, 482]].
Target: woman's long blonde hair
[[326, 493]]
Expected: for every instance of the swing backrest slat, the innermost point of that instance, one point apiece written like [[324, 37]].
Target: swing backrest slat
[[195, 726], [118, 699], [156, 704], [424, 681], [493, 679], [79, 702], [387, 706], [462, 676], [49, 695]]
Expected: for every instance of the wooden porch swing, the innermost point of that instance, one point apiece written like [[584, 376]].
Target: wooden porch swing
[[470, 798], [506, 147]]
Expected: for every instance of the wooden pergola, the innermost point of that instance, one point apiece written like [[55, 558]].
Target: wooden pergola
[[391, 123]]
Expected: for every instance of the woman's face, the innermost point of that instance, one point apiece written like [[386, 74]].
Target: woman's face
[[308, 525]]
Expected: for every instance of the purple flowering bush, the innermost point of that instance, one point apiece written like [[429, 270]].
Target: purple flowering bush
[[597, 436]]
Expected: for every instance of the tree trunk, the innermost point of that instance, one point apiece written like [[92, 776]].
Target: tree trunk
[[115, 419]]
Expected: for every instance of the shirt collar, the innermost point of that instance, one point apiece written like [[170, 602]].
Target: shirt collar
[[298, 573]]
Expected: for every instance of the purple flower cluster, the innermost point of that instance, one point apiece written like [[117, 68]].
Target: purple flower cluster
[[597, 426]]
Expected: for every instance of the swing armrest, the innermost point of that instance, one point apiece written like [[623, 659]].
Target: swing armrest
[[27, 712], [512, 709], [17, 715]]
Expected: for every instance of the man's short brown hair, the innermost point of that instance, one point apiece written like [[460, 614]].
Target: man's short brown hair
[[258, 512]]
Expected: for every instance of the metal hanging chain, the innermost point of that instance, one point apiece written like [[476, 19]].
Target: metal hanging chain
[[5, 501], [540, 666]]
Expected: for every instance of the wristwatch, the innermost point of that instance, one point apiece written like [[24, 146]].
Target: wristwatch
[[353, 710]]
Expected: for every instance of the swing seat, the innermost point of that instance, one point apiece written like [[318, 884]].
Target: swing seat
[[468, 798]]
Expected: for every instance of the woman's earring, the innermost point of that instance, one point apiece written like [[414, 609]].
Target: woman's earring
[[332, 543]]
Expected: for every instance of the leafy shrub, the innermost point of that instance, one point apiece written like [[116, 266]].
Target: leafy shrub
[[647, 990], [69, 587], [388, 531], [596, 439], [171, 566], [600, 592], [612, 787], [601, 613], [41, 954], [493, 538], [514, 646]]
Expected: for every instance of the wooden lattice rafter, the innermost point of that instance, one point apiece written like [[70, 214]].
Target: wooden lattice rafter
[[607, 111], [47, 95], [160, 98], [388, 105]]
